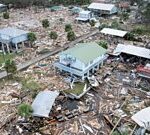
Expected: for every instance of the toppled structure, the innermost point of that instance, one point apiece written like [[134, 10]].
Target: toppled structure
[[144, 71], [101, 8], [78, 90], [81, 64], [43, 103], [132, 50], [11, 37]]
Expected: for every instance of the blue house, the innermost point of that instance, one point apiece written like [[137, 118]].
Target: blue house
[[10, 38], [81, 60], [102, 8]]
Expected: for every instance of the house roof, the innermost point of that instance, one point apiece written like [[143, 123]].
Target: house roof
[[43, 103], [2, 5], [101, 6], [114, 32], [86, 52], [132, 50], [85, 12], [12, 32]]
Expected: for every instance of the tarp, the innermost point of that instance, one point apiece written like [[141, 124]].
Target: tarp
[[43, 103]]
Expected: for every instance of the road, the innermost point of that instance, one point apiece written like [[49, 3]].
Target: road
[[37, 59]]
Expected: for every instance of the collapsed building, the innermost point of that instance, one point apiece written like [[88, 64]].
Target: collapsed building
[[140, 52]]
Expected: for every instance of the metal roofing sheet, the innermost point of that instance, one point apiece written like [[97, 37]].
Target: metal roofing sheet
[[12, 32], [132, 50], [43, 103], [101, 6], [2, 5], [85, 12], [114, 32], [142, 118], [86, 52]]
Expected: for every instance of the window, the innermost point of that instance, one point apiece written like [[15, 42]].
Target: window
[[91, 61]]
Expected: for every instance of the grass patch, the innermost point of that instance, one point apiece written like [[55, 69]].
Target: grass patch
[[39, 72], [141, 29], [31, 85], [77, 89], [5, 57]]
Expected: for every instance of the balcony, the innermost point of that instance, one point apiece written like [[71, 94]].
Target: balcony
[[69, 69]]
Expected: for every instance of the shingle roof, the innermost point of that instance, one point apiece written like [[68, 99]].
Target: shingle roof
[[86, 52]]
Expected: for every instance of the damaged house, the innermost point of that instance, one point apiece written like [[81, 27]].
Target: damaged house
[[102, 9], [82, 59], [12, 39]]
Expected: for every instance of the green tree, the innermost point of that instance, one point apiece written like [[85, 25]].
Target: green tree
[[71, 36], [53, 35], [45, 23], [115, 25], [146, 13], [6, 15], [103, 25], [10, 66], [103, 44], [124, 16], [130, 36], [92, 23], [25, 110], [68, 27], [31, 37]]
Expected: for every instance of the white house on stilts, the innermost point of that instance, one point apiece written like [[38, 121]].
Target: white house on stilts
[[81, 60]]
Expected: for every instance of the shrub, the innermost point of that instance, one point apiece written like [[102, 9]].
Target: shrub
[[130, 36], [103, 44], [45, 23], [138, 30], [124, 16], [25, 110], [103, 25], [6, 15], [115, 25], [71, 36], [10, 66], [31, 37], [53, 35], [92, 23], [68, 27]]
